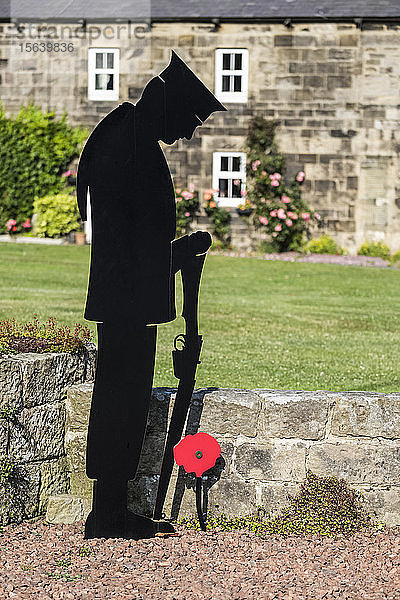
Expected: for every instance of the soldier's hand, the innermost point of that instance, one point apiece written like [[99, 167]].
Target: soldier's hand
[[199, 242]]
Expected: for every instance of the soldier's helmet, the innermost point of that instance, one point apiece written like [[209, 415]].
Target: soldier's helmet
[[196, 96], [188, 102]]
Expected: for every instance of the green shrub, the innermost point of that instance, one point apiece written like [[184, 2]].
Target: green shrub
[[35, 149], [37, 337], [374, 249], [324, 506], [220, 218], [395, 258], [323, 245], [56, 215]]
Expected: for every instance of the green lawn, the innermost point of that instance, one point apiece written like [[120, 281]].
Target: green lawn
[[265, 324]]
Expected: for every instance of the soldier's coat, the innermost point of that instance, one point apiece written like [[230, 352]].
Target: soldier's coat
[[133, 222]]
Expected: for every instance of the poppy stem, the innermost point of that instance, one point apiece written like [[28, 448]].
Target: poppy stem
[[200, 513]]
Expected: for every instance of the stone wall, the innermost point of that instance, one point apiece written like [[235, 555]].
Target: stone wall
[[32, 394], [268, 440], [333, 87]]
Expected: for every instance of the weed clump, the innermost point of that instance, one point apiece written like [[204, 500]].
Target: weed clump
[[34, 336], [324, 506]]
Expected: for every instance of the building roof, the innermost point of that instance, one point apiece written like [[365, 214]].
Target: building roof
[[171, 10]]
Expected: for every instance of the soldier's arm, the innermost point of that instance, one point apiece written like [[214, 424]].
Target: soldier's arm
[[86, 160], [195, 243], [83, 178]]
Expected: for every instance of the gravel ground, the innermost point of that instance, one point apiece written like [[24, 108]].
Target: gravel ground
[[334, 259], [42, 561]]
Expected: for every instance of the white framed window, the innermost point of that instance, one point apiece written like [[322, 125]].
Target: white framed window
[[231, 74], [229, 177], [103, 74]]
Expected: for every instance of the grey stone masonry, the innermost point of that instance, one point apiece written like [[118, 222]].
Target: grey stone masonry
[[32, 427], [268, 438]]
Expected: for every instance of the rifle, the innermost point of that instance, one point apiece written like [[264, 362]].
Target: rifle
[[187, 348]]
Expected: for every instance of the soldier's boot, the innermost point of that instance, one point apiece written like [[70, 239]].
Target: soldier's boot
[[110, 518]]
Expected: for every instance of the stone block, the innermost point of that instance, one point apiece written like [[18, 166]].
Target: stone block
[[161, 403], [326, 67], [45, 377], [313, 81], [232, 496], [10, 383], [75, 448], [267, 95], [292, 414], [340, 54], [77, 404], [324, 185], [339, 82], [287, 82], [274, 496], [67, 509], [53, 480], [231, 411], [307, 158], [186, 40], [357, 461], [383, 504], [349, 39], [39, 433], [280, 461], [3, 437], [80, 485], [302, 67], [152, 455], [142, 494], [283, 40], [352, 183], [293, 122], [304, 95], [19, 498], [303, 40], [359, 414]]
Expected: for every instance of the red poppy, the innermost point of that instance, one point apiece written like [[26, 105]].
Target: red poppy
[[197, 453]]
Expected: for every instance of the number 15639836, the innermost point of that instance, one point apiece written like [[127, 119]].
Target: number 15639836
[[46, 47]]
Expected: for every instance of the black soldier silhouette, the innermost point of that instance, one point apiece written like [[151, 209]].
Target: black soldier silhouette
[[134, 258]]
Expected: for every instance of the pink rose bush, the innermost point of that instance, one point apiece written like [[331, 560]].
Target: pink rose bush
[[277, 202], [13, 227], [187, 204]]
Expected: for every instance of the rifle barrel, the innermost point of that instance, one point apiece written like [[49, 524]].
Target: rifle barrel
[[178, 418]]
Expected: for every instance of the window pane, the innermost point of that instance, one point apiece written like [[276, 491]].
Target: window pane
[[223, 188], [226, 62], [225, 83], [237, 83], [110, 82], [110, 60], [238, 62], [224, 163], [99, 60], [236, 187], [101, 81], [104, 81], [236, 163]]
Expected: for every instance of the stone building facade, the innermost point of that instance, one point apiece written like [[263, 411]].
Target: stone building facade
[[334, 88]]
